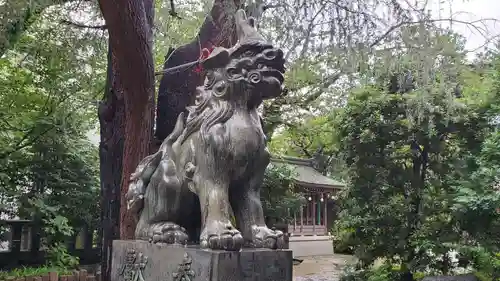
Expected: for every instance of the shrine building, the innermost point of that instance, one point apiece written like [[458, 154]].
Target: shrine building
[[309, 229]]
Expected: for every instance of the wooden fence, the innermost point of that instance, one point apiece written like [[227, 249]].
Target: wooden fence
[[26, 241], [54, 276]]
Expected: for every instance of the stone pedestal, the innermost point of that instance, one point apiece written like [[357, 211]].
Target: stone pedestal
[[143, 261]]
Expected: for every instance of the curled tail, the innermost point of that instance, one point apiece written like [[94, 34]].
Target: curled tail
[[141, 177], [139, 180]]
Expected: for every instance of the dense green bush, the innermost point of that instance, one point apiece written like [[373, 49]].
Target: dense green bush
[[485, 263], [384, 272], [32, 271], [279, 199], [420, 187]]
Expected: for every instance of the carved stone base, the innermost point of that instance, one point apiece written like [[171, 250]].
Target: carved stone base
[[143, 261]]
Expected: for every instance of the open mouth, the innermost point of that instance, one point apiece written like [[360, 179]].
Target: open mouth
[[269, 60], [272, 72], [272, 63], [274, 68]]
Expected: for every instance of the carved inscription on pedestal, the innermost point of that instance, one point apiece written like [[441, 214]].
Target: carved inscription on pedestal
[[132, 269], [255, 268], [184, 271]]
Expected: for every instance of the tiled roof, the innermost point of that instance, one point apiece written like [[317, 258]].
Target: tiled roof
[[305, 173]]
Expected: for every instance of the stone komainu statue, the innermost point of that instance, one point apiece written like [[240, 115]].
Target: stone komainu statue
[[212, 165]]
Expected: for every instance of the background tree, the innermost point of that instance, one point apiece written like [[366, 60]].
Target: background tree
[[48, 166], [331, 45], [130, 31], [279, 198], [406, 170], [313, 139]]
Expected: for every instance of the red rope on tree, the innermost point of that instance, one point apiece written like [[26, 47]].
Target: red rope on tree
[[205, 53]]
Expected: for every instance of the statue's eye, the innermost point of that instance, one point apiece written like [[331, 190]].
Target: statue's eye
[[270, 54], [232, 72], [220, 86], [248, 54], [199, 99], [209, 80]]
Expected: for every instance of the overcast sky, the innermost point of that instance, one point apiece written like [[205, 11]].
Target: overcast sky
[[469, 11]]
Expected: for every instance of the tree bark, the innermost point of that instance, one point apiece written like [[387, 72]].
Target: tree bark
[[111, 120], [177, 90], [130, 36]]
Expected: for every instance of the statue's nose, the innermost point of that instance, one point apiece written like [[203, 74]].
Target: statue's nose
[[199, 95], [280, 54], [273, 54]]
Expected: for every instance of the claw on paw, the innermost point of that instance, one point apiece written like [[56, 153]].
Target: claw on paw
[[220, 237], [226, 241], [169, 233], [263, 237]]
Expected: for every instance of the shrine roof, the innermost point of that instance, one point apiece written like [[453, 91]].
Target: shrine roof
[[305, 173]]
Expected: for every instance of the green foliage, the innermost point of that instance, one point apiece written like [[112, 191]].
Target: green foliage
[[478, 197], [49, 81], [57, 184], [403, 176], [422, 185], [50, 77], [60, 170], [53, 222], [279, 200], [32, 271], [57, 229], [58, 256], [342, 241], [304, 139], [312, 139], [485, 262], [172, 32], [384, 272]]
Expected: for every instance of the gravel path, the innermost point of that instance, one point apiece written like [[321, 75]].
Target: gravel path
[[321, 268]]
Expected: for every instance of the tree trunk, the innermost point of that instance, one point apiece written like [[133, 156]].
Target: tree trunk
[[177, 90], [414, 196], [129, 25], [112, 120]]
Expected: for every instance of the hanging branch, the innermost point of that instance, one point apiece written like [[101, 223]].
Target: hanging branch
[[172, 11], [79, 25]]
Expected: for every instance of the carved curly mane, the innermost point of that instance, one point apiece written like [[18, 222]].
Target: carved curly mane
[[212, 109]]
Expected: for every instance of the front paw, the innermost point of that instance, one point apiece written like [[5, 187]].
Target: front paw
[[263, 237], [169, 233], [221, 236]]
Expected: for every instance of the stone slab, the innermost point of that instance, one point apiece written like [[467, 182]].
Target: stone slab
[[178, 263], [310, 247]]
